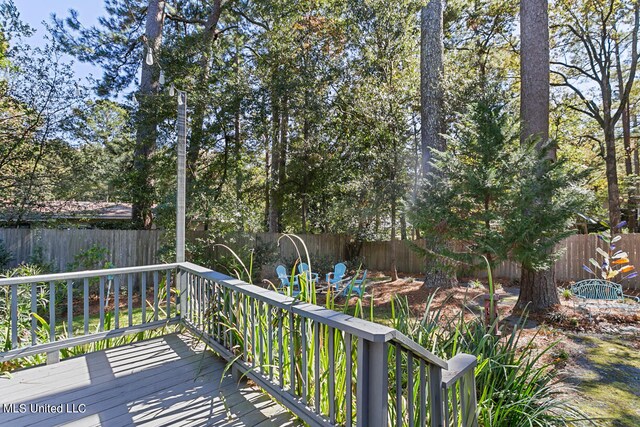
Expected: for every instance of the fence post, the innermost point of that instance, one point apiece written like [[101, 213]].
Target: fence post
[[373, 384]]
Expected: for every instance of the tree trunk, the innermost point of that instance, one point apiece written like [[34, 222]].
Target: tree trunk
[[195, 144], [611, 171], [632, 217], [534, 72], [304, 213], [415, 233], [196, 141], [267, 185], [636, 170], [284, 146], [237, 129], [538, 289], [142, 189], [431, 91], [394, 261], [274, 212], [432, 122]]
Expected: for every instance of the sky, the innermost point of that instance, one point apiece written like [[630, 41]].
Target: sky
[[34, 12]]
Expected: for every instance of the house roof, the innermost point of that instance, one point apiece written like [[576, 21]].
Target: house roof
[[63, 209]]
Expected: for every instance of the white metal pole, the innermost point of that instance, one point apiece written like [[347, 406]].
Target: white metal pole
[[182, 177]]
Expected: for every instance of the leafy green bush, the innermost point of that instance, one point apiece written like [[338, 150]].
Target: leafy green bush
[[5, 255], [37, 259], [95, 257], [24, 304]]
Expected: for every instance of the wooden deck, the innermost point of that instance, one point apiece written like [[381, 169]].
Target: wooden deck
[[168, 381]]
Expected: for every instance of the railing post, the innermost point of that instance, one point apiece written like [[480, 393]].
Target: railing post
[[462, 370], [468, 399], [53, 357], [436, 400], [372, 386]]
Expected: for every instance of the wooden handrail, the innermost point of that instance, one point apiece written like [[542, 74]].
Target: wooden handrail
[[59, 277]]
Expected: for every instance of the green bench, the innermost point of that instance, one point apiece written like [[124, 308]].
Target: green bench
[[600, 289]]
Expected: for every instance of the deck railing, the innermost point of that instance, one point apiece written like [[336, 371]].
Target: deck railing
[[328, 368], [58, 309]]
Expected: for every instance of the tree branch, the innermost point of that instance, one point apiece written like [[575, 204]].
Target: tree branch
[[624, 94], [263, 25], [576, 68], [184, 20], [593, 112]]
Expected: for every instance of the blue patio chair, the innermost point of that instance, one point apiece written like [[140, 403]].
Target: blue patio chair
[[303, 269], [355, 286], [286, 282], [335, 277]]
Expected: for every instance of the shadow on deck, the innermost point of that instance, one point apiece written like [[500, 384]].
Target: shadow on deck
[[167, 381]]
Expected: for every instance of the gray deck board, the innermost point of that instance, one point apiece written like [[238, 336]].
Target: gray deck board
[[168, 381]]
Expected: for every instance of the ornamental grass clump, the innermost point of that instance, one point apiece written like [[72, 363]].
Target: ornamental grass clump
[[515, 387]]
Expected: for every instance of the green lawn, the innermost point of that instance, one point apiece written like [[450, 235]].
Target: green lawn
[[123, 315], [608, 381]]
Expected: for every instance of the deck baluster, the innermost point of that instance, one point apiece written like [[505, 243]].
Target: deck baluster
[[270, 341], [316, 370], [143, 298], [280, 350], [130, 298], [167, 287], [70, 308], [101, 304], [14, 316], [423, 394], [398, 375], [303, 343], [86, 305], [34, 309], [292, 356], [116, 301], [410, 388], [349, 379], [156, 296], [52, 311], [332, 375]]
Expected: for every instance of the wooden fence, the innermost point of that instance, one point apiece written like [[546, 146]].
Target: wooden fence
[[575, 252], [125, 248], [128, 248]]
